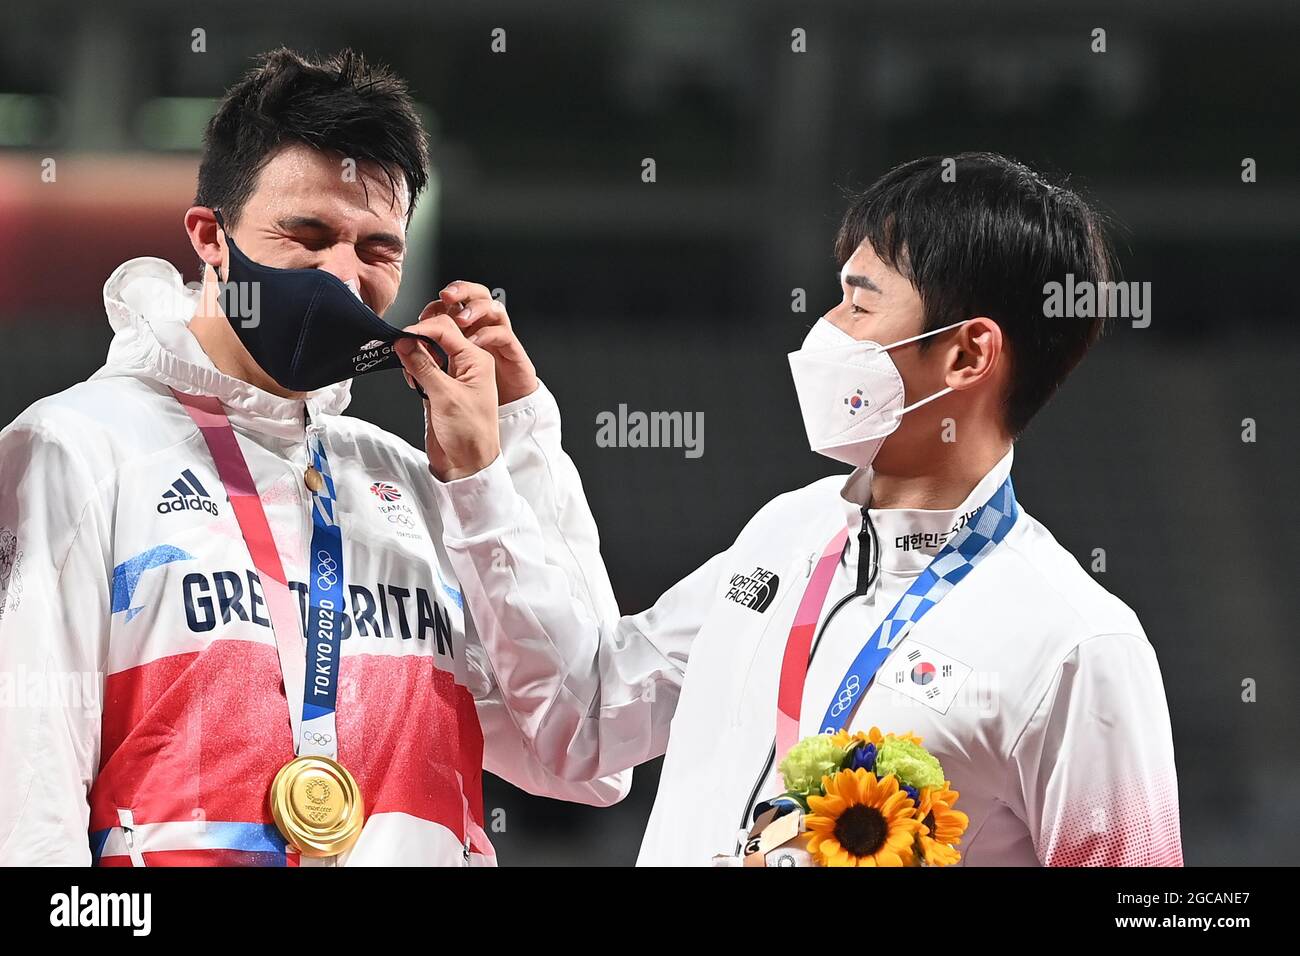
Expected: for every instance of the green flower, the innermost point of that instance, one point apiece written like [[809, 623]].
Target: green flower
[[808, 761], [911, 763]]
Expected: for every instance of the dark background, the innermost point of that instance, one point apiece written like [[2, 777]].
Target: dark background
[[676, 295]]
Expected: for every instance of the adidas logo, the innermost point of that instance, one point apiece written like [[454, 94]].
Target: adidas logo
[[187, 494]]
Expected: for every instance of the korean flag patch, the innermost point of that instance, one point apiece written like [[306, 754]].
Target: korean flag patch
[[924, 675]]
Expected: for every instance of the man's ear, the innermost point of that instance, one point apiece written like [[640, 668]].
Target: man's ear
[[977, 354], [205, 236]]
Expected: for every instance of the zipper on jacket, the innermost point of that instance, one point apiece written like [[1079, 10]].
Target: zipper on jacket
[[868, 572], [868, 554]]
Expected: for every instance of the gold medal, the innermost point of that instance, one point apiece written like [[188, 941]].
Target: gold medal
[[314, 480], [317, 805]]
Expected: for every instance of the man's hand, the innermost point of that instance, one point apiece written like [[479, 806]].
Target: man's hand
[[484, 322], [460, 414]]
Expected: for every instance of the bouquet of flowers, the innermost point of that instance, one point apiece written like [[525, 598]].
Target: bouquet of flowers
[[868, 800]]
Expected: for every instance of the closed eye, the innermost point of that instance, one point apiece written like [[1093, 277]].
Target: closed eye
[[312, 243], [382, 251], [378, 253]]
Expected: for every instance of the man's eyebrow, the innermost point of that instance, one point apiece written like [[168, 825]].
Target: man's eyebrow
[[861, 282], [301, 222], [290, 223]]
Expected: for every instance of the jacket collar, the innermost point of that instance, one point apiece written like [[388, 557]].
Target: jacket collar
[[149, 308], [910, 537]]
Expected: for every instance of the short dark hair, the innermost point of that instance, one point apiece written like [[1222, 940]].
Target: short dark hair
[[340, 104], [985, 241]]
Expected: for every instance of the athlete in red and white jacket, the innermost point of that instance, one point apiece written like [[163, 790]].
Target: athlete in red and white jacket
[[144, 716]]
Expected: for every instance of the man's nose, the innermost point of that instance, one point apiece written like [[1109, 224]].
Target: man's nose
[[838, 316], [343, 265]]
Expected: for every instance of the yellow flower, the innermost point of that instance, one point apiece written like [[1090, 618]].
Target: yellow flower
[[861, 822], [844, 740], [877, 738], [943, 826]]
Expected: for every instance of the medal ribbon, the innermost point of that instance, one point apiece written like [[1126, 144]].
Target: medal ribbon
[[987, 527], [324, 616], [314, 732], [789, 697]]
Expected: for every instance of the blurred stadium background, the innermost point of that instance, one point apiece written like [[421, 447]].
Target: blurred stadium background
[[676, 295]]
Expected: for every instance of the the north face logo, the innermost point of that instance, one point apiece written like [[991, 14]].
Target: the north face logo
[[187, 494], [754, 590]]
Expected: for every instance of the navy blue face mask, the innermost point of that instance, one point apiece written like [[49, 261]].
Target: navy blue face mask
[[305, 327]]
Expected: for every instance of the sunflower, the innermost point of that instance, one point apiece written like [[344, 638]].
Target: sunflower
[[876, 737], [943, 826], [861, 822], [846, 741]]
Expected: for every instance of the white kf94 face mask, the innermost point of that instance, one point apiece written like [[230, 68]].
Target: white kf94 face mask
[[850, 392]]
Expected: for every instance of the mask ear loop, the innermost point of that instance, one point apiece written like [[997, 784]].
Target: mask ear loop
[[923, 335], [221, 224], [925, 401], [939, 394], [898, 415]]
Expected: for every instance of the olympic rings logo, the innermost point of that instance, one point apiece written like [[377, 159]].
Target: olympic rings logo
[[846, 696], [319, 739], [326, 570], [366, 366]]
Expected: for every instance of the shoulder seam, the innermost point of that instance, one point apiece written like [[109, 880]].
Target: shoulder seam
[[1056, 671], [1064, 598]]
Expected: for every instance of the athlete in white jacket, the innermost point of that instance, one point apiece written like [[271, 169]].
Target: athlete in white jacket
[[1035, 688], [143, 705]]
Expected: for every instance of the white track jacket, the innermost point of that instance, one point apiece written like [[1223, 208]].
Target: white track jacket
[[1042, 697]]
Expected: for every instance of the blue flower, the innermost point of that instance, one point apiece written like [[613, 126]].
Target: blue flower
[[911, 792], [862, 758]]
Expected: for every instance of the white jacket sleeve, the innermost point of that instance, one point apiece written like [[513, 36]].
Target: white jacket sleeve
[[545, 477], [592, 693], [544, 474], [508, 755], [1096, 761], [54, 619]]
